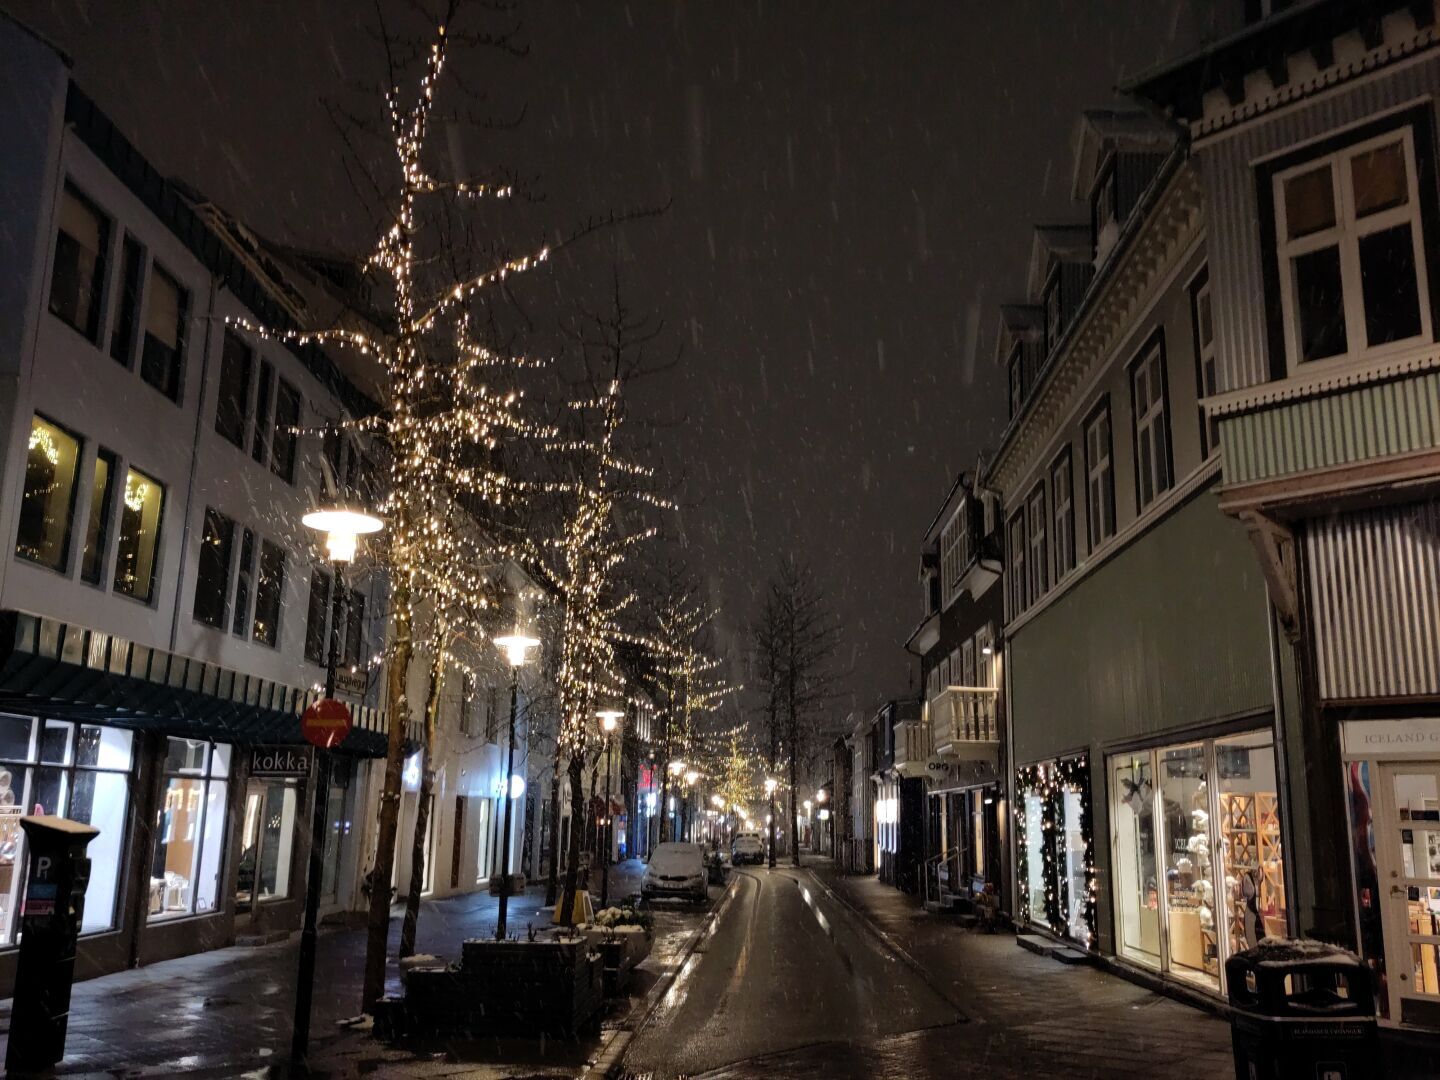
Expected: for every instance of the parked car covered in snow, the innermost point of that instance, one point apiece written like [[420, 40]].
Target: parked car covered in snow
[[676, 871]]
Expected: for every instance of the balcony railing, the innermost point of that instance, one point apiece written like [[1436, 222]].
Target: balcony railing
[[912, 747], [964, 723]]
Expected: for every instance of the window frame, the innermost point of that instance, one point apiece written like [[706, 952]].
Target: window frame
[[1016, 551], [130, 294], [1414, 124], [1063, 539], [100, 297], [273, 639], [227, 577], [1037, 540], [175, 393], [281, 439], [1096, 535], [1052, 288], [1106, 176], [247, 392], [1015, 378], [151, 595], [207, 776], [954, 554], [1151, 354], [67, 540], [1209, 426]]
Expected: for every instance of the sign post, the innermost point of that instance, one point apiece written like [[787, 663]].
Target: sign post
[[324, 725]]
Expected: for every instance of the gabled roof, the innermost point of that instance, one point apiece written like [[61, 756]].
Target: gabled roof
[[1017, 321], [1057, 243], [1098, 131], [1181, 85]]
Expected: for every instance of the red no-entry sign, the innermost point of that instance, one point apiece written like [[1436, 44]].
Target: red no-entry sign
[[326, 723]]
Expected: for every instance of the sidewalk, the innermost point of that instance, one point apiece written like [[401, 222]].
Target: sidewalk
[[229, 1010], [1039, 1016], [1057, 1019]]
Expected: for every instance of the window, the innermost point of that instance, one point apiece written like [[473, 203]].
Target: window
[[1015, 372], [286, 434], [1207, 381], [268, 593], [236, 361], [139, 536], [354, 645], [80, 771], [48, 502], [1105, 211], [947, 672], [1062, 501], [122, 336], [1052, 312], [985, 656], [262, 412], [317, 617], [244, 584], [1153, 471], [97, 528], [1015, 547], [955, 551], [1351, 251], [1099, 478], [469, 707], [212, 575], [78, 276], [1038, 557], [162, 356], [186, 870], [967, 663]]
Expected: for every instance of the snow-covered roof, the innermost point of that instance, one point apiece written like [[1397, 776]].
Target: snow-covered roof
[[1063, 243], [1100, 130]]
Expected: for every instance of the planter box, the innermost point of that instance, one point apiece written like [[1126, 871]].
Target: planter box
[[635, 941], [523, 988]]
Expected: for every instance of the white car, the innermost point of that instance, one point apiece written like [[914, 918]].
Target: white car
[[676, 871], [747, 848]]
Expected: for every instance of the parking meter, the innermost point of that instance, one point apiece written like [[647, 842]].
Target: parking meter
[[49, 926]]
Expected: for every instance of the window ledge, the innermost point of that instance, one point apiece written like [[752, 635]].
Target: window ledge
[[1342, 375]]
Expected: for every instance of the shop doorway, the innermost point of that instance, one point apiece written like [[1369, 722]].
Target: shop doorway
[[1409, 842], [267, 838]]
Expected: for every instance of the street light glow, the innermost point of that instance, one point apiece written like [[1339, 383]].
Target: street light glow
[[609, 719], [516, 646], [342, 525]]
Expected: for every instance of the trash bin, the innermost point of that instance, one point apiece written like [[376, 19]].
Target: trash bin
[[1302, 1009]]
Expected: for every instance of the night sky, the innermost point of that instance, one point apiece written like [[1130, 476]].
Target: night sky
[[851, 190]]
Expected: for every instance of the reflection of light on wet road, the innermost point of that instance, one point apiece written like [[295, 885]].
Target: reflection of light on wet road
[[815, 908]]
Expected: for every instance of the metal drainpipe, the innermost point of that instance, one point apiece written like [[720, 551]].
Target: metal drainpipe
[[194, 464], [1012, 807], [1282, 767]]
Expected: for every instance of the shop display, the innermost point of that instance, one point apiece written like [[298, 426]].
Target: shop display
[[1253, 866]]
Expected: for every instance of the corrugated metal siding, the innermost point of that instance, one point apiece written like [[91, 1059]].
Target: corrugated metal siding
[[1375, 586], [1368, 422], [1229, 176]]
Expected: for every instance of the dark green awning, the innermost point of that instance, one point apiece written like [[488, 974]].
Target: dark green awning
[[50, 668]]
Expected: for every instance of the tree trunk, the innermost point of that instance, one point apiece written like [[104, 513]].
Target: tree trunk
[[378, 924], [427, 791], [552, 882], [577, 825]]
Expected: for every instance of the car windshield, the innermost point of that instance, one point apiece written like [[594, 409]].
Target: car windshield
[[676, 858]]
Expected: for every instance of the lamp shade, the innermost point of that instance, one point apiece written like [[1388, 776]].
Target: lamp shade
[[610, 719], [342, 525], [516, 646]]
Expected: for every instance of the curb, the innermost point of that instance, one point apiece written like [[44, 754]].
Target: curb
[[894, 946], [612, 1051]]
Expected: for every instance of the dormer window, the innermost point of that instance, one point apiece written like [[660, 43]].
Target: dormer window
[[1052, 311], [954, 552], [1350, 249], [1015, 374], [1105, 212]]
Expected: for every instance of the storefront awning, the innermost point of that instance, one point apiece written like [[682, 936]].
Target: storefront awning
[[70, 672]]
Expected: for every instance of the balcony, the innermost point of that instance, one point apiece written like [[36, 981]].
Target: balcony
[[912, 747], [964, 722]]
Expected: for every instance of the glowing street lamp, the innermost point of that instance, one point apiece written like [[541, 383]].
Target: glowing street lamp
[[342, 526], [516, 646]]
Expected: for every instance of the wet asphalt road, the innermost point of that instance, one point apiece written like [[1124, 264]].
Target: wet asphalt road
[[786, 982]]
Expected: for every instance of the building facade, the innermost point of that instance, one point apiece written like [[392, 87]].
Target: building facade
[[1151, 822], [1313, 133], [957, 749]]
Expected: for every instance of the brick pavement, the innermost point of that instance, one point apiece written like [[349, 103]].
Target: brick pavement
[[228, 1011], [1041, 1017]]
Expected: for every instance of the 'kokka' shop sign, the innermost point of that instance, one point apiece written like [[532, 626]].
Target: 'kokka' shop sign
[[280, 762]]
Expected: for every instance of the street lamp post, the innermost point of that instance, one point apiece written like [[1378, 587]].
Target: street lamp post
[[691, 776], [342, 527], [770, 785], [516, 646], [609, 721]]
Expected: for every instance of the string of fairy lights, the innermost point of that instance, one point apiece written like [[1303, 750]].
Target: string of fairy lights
[[1049, 783]]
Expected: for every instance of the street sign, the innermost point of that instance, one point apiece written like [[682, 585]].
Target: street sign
[[280, 762], [326, 723]]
